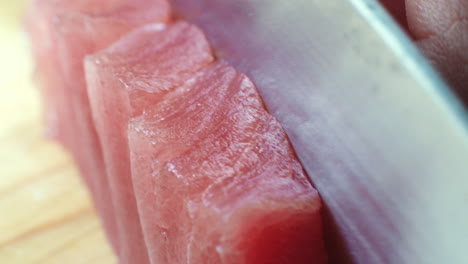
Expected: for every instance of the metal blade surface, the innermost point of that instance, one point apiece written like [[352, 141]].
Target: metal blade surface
[[378, 132]]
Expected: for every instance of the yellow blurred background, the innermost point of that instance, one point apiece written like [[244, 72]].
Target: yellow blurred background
[[45, 213]]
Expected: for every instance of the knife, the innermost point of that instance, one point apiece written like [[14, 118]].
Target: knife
[[379, 133]]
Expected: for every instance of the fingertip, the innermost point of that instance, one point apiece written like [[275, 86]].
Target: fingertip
[[432, 17], [440, 28]]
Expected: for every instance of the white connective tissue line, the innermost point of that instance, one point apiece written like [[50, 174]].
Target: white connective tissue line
[[376, 15]]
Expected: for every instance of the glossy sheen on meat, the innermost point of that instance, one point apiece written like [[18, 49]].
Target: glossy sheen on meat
[[68, 30], [215, 178]]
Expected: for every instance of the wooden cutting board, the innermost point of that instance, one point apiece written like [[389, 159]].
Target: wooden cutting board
[[45, 212]]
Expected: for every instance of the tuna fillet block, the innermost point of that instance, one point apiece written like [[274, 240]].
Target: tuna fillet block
[[215, 178], [69, 30]]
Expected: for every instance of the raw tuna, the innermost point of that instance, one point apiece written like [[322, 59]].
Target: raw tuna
[[70, 30], [215, 178], [43, 40], [108, 93]]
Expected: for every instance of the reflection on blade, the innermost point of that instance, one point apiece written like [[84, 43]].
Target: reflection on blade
[[380, 135]]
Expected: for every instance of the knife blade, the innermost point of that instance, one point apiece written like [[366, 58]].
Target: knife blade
[[379, 133]]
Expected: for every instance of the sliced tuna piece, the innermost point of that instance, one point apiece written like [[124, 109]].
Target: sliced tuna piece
[[225, 184], [114, 74], [70, 30], [215, 178], [39, 24]]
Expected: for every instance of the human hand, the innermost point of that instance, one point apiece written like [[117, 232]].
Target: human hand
[[440, 29]]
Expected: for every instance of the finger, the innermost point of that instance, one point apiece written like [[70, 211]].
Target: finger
[[430, 17], [441, 30]]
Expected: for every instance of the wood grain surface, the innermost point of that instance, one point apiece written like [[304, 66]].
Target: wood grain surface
[[45, 212]]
